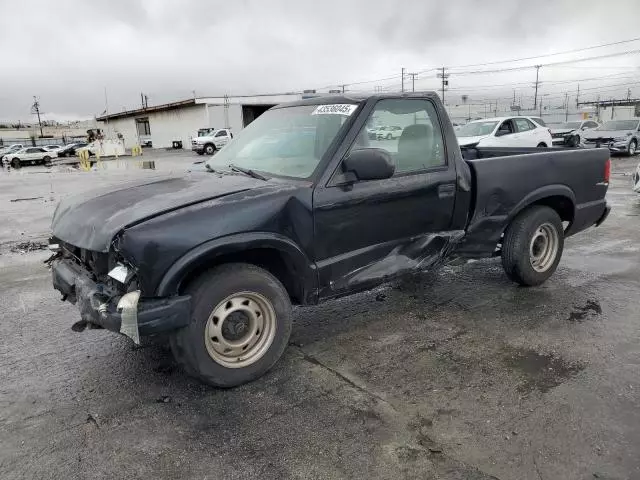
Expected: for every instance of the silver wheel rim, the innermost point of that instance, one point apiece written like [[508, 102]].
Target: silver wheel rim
[[209, 150], [240, 329], [632, 148], [543, 248]]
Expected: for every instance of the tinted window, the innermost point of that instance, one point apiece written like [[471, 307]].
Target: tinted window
[[505, 128], [539, 121], [420, 145], [591, 125], [221, 133], [32, 150]]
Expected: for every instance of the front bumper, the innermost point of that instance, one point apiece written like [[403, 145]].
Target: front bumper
[[614, 147], [196, 147], [97, 307]]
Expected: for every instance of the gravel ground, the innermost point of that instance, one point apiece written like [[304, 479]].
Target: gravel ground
[[456, 374]]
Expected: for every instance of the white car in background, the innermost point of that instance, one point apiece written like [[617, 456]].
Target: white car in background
[[28, 156], [388, 133], [53, 148], [10, 149], [636, 180], [209, 144], [570, 134], [504, 132]]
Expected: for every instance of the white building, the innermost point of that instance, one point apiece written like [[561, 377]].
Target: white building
[[162, 125]]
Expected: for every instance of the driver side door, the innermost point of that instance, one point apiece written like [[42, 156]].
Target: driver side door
[[368, 231]]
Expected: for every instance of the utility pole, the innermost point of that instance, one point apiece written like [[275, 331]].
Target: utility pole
[[578, 97], [445, 82], [566, 106], [535, 97], [343, 88], [628, 94], [402, 88], [413, 81], [142, 99], [36, 108]]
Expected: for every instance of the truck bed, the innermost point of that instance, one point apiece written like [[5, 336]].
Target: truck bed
[[506, 180]]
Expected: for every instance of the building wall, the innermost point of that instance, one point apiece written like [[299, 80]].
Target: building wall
[[216, 117], [179, 124], [166, 126], [125, 126]]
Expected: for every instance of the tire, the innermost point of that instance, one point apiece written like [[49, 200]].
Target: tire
[[524, 257], [209, 149], [541, 145], [633, 148], [15, 163], [47, 160], [200, 348], [388, 136]]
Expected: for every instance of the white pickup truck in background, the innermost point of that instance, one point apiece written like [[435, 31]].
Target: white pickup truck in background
[[209, 144]]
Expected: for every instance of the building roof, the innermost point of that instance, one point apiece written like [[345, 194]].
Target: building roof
[[142, 111]]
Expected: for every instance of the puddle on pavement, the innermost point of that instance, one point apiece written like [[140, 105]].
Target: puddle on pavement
[[580, 313], [539, 372], [121, 164]]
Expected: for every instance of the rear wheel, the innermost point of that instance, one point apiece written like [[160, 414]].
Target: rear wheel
[[542, 145], [532, 246], [240, 325], [15, 163], [633, 147], [47, 160]]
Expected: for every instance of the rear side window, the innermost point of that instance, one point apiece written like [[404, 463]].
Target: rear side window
[[221, 133], [523, 125], [417, 145]]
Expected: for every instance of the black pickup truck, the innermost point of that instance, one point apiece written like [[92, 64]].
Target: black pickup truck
[[302, 206]]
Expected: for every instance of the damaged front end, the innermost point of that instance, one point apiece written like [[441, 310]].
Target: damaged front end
[[106, 291]]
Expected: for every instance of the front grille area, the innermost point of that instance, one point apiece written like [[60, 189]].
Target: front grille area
[[96, 263]]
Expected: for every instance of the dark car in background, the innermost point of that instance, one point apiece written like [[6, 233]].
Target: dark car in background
[[70, 150]]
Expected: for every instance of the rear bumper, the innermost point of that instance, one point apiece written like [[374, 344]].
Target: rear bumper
[[587, 215], [96, 307]]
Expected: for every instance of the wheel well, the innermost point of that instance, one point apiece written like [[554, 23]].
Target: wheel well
[[561, 204], [273, 261]]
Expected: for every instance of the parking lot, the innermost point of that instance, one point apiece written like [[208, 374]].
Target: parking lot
[[454, 374]]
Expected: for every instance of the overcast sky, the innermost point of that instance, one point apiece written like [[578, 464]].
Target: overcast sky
[[68, 52]]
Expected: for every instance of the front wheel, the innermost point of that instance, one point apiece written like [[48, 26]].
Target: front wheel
[[240, 325], [532, 246], [389, 136], [542, 145], [209, 149], [15, 163], [633, 147]]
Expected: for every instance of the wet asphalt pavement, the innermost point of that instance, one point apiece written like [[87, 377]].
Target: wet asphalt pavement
[[456, 374]]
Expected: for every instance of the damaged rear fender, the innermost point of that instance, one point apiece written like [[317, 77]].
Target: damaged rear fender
[[300, 277]]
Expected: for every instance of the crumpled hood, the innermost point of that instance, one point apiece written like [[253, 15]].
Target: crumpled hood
[[462, 141], [92, 219], [606, 133], [562, 130]]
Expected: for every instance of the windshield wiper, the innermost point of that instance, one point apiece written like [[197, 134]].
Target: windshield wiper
[[247, 171]]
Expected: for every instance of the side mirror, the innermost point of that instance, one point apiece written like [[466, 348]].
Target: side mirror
[[369, 164]]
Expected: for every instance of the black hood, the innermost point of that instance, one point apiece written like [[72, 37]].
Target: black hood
[[91, 220]]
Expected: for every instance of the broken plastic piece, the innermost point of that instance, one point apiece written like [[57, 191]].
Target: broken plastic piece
[[128, 306], [119, 273]]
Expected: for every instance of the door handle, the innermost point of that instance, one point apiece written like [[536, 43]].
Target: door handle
[[446, 190]]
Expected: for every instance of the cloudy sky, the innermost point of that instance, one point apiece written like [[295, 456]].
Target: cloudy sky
[[68, 52]]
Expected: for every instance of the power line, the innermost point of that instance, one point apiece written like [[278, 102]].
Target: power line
[[550, 54]]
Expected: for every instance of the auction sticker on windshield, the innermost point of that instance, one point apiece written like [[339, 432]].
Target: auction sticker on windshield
[[336, 109]]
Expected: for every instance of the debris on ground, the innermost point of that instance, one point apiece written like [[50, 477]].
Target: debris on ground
[[24, 199], [29, 246], [163, 399]]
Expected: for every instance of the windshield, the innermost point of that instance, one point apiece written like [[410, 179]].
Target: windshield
[[619, 125], [475, 129], [285, 141], [566, 126]]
